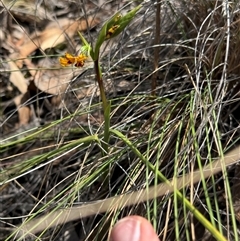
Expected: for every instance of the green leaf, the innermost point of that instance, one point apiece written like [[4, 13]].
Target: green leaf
[[121, 24], [103, 32], [113, 27], [86, 48]]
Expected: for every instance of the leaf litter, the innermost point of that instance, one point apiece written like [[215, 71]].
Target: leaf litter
[[32, 38], [45, 74]]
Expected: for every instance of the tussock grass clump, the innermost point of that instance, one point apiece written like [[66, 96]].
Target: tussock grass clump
[[171, 110]]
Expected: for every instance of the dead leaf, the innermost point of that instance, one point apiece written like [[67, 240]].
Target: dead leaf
[[51, 37], [55, 82], [17, 78], [24, 112], [52, 80]]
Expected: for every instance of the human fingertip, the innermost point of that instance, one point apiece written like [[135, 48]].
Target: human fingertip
[[126, 229], [133, 228]]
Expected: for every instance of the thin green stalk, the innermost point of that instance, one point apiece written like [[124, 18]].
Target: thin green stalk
[[106, 127], [199, 216], [175, 197], [12, 172], [106, 106], [100, 83], [198, 157], [229, 200]]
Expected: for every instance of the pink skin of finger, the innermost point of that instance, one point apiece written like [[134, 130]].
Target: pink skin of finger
[[133, 228]]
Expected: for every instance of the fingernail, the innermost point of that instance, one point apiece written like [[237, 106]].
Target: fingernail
[[126, 229]]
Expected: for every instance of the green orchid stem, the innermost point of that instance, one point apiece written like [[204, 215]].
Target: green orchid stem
[[106, 106], [100, 83]]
